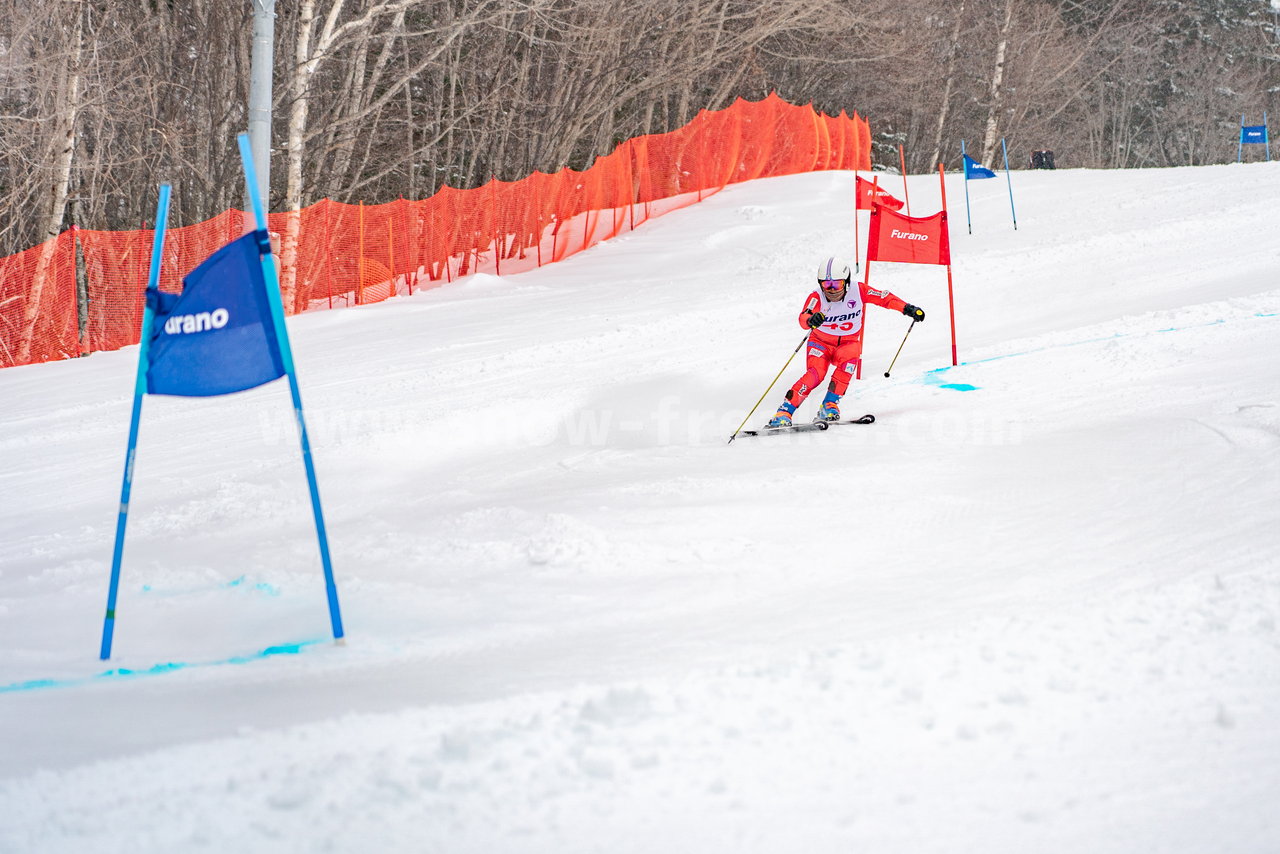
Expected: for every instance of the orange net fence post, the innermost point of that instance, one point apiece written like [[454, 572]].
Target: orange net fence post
[[352, 254], [376, 252]]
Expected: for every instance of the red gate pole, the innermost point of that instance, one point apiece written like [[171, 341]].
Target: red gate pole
[[951, 300], [872, 223], [857, 249], [902, 162]]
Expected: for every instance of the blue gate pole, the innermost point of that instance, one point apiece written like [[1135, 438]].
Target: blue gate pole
[[1266, 135], [965, 167], [1012, 212], [1240, 147], [139, 389], [286, 356]]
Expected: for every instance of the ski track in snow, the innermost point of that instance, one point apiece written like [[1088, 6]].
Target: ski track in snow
[[1034, 607]]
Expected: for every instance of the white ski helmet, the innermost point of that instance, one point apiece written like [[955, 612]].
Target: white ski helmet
[[834, 270]]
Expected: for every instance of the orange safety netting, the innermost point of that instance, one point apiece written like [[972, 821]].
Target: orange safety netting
[[335, 254]]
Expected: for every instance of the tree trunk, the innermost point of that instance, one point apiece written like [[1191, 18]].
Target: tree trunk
[[994, 95], [952, 50], [66, 106], [304, 67]]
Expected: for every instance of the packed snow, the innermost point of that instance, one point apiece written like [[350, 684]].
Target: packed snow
[[1032, 608]]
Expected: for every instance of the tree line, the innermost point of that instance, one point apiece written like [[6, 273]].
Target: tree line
[[100, 100]]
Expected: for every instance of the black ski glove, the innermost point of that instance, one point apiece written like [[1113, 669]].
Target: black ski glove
[[816, 319], [914, 312]]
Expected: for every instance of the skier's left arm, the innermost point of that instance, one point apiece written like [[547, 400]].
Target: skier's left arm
[[884, 299]]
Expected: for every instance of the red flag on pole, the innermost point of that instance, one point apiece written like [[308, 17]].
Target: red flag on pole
[[908, 239], [871, 194]]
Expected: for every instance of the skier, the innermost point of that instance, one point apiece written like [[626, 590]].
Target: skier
[[834, 313]]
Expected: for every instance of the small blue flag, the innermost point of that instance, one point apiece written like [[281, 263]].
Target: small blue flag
[[217, 337], [972, 171], [1253, 133]]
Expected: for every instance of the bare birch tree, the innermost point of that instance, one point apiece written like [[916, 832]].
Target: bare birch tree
[[995, 92], [67, 21], [948, 83]]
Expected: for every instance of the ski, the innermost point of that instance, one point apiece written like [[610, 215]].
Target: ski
[[810, 427]]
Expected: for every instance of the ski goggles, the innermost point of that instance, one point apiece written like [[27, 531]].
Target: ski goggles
[[833, 284]]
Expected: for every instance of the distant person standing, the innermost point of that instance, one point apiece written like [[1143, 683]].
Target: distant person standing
[[834, 314], [1042, 159]]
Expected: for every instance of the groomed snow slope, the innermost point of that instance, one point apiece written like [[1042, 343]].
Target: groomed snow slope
[[1033, 608]]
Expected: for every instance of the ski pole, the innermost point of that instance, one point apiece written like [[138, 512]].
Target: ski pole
[[900, 346], [803, 341]]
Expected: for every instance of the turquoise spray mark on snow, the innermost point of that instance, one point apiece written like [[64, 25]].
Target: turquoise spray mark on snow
[[261, 587], [156, 669], [930, 377]]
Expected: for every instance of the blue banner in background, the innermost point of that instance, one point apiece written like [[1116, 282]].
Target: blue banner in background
[[973, 171], [218, 336], [1253, 133]]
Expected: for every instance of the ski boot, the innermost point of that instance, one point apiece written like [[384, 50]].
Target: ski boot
[[830, 409], [783, 417]]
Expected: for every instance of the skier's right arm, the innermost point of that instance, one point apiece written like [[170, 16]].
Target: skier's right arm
[[810, 312]]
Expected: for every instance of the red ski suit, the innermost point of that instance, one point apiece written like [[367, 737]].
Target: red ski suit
[[838, 340]]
